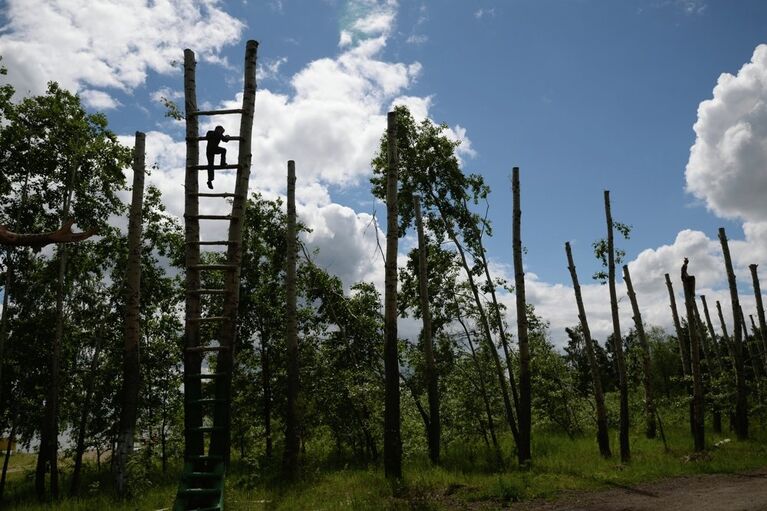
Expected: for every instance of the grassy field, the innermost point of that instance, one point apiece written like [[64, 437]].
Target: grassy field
[[465, 481]]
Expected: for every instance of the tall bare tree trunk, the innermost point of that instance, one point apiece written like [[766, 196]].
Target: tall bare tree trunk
[[292, 438], [617, 339], [741, 402], [428, 348], [684, 348], [649, 404], [524, 453], [131, 369], [759, 308], [688, 282], [714, 359], [712, 334], [74, 487], [603, 438], [392, 438]]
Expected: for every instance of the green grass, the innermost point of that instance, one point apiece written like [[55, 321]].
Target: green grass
[[464, 481]]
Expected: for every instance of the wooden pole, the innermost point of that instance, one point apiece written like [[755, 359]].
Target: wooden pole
[[292, 438], [524, 413], [688, 282], [392, 438], [741, 402], [646, 361], [193, 442], [603, 437], [131, 370], [617, 340]]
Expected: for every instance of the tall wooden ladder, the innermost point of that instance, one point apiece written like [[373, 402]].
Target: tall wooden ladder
[[207, 407]]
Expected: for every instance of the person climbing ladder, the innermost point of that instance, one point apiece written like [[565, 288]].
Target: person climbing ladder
[[214, 138]]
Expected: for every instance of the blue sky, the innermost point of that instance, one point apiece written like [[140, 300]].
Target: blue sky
[[583, 95]]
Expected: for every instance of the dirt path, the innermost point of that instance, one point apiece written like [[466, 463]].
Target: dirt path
[[719, 492]]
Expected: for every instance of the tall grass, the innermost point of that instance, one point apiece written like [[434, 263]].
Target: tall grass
[[468, 474]]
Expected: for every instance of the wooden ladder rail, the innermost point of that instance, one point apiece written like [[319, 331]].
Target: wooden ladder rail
[[194, 445]]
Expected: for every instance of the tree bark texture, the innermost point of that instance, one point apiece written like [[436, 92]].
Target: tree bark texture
[[688, 282], [741, 402], [428, 347], [292, 439], [617, 340], [684, 350], [131, 368], [220, 443], [646, 360], [392, 436], [525, 394], [759, 308], [603, 438], [193, 442]]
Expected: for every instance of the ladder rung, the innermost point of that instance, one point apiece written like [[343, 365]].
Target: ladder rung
[[215, 167], [201, 139], [205, 376], [212, 217], [194, 492], [198, 349], [227, 267], [207, 429], [208, 401], [203, 475], [212, 194], [217, 112], [207, 457], [206, 291], [220, 242], [208, 319]]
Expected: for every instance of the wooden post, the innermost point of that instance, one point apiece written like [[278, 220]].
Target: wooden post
[[392, 438], [684, 351], [759, 308], [428, 349], [524, 413], [646, 361], [193, 442], [712, 333], [221, 442], [131, 369], [292, 439], [603, 437], [617, 340], [688, 282], [741, 402]]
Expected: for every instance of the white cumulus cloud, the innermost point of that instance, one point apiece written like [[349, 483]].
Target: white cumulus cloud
[[107, 43]]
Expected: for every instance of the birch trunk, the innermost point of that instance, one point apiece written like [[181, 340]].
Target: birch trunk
[[392, 438], [131, 369], [688, 282], [649, 405], [617, 340], [603, 438], [741, 402], [525, 394], [292, 439]]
